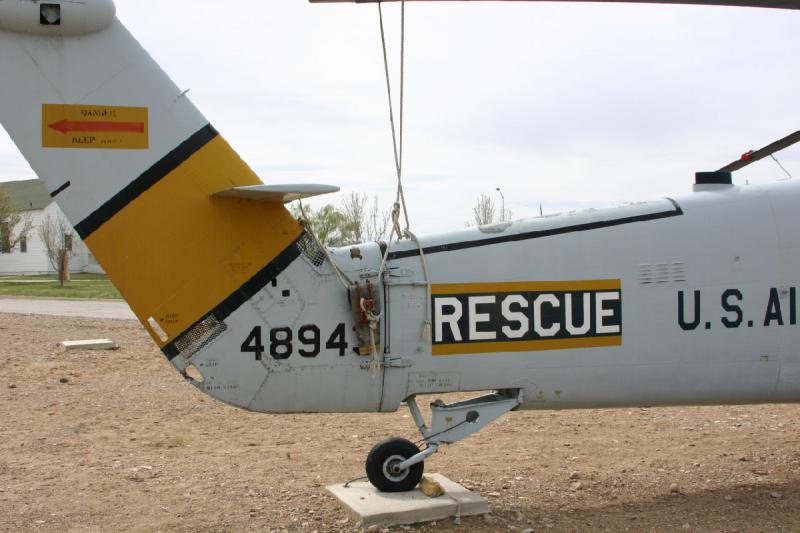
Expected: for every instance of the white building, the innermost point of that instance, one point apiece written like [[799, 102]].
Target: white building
[[29, 256]]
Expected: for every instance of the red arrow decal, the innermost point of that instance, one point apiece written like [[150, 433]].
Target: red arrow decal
[[65, 126]]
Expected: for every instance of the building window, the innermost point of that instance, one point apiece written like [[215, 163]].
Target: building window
[[68, 241], [23, 244]]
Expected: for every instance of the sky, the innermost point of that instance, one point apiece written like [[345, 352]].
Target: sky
[[570, 106]]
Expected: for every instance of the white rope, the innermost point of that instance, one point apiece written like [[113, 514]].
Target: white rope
[[426, 325], [397, 146], [304, 221], [399, 202]]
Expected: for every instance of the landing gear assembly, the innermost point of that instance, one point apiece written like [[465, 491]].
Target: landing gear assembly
[[396, 464]]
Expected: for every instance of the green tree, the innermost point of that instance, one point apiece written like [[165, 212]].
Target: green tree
[[329, 224], [355, 221]]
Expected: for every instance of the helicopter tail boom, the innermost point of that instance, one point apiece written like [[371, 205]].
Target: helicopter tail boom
[[133, 166]]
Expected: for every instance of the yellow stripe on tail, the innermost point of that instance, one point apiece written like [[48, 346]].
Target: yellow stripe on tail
[[175, 253]]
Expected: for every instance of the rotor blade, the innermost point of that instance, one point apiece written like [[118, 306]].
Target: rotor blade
[[753, 156], [776, 4]]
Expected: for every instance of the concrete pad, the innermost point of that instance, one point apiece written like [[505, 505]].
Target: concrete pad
[[369, 507], [91, 344]]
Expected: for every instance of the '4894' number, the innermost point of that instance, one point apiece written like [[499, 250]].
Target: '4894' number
[[283, 342]]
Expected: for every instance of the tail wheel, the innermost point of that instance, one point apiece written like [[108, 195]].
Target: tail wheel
[[382, 464]]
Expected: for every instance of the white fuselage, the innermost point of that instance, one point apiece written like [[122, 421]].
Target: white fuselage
[[732, 249]]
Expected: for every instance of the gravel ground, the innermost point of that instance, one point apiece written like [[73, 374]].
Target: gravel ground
[[116, 441]]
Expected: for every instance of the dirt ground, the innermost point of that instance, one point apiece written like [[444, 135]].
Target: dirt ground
[[117, 441]]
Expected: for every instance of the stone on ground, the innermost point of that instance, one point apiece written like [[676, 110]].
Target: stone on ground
[[90, 344]]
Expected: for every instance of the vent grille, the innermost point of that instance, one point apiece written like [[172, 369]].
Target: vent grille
[[659, 273], [309, 247], [678, 270], [200, 335]]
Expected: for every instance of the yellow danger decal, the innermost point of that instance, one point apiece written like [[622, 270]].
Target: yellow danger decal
[[93, 126], [472, 318]]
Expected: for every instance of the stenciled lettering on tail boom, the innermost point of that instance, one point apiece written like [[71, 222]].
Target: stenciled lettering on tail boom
[[94, 126], [473, 318]]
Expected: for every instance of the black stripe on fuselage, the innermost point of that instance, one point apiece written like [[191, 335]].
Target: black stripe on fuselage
[[150, 177], [230, 304], [528, 235]]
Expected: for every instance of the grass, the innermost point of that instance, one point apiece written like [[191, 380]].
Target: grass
[[95, 286], [42, 277]]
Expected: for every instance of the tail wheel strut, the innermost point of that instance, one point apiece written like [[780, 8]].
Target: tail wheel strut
[[396, 465]]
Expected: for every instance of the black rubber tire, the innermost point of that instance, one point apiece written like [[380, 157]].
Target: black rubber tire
[[393, 449]]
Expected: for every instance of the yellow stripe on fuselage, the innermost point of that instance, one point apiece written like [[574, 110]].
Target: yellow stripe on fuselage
[[501, 287], [461, 348], [175, 253]]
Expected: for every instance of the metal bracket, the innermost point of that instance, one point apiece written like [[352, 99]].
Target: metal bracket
[[397, 272], [368, 274], [402, 277], [398, 362], [404, 283], [454, 422]]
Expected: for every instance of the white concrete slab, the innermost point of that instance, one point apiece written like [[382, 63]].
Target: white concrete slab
[[90, 344], [369, 507]]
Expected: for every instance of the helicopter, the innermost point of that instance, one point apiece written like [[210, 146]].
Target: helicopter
[[686, 300]]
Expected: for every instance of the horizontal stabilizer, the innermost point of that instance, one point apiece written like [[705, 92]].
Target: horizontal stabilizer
[[277, 193]]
